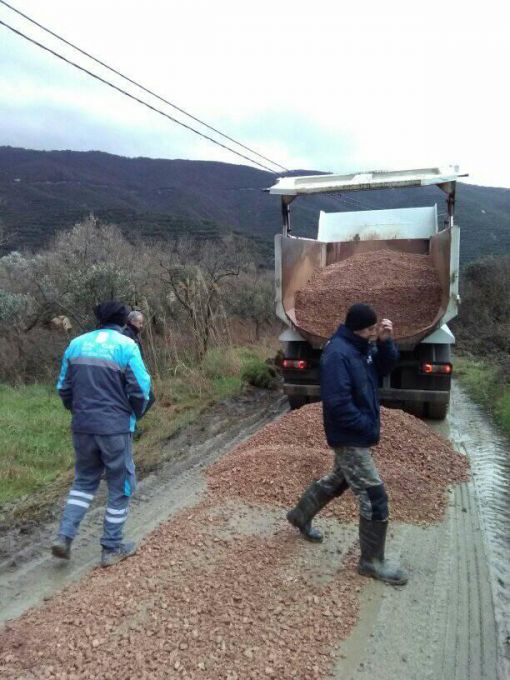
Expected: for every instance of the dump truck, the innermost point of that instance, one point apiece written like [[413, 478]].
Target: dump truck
[[420, 383]]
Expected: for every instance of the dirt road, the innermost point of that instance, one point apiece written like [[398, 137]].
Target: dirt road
[[446, 624], [28, 573]]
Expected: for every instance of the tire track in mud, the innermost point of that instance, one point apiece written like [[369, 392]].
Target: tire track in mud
[[469, 650], [441, 625], [472, 432]]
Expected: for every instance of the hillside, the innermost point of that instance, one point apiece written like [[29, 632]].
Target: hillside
[[44, 191]]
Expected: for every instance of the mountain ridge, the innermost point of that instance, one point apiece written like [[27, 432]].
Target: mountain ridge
[[42, 192]]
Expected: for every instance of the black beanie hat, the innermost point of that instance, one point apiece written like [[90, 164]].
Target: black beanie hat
[[111, 311], [360, 316]]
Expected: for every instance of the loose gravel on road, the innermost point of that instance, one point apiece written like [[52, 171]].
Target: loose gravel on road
[[227, 589], [403, 287], [276, 464]]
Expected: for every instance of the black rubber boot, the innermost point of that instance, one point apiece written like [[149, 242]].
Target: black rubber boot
[[372, 538], [62, 547], [311, 502]]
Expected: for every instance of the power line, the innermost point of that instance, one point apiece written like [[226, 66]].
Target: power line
[[134, 82], [132, 96], [353, 201]]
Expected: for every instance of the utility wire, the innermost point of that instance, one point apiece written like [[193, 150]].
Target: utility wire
[[145, 89], [353, 201], [132, 96], [361, 204]]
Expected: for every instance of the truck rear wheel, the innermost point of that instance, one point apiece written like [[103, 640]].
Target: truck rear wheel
[[415, 408], [297, 401], [436, 411]]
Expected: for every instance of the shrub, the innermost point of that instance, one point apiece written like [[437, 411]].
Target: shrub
[[259, 374], [483, 327]]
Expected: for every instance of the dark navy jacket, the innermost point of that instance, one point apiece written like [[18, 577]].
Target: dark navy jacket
[[131, 332], [104, 382], [350, 371]]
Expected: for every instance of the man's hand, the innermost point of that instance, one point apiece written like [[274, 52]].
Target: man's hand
[[385, 330]]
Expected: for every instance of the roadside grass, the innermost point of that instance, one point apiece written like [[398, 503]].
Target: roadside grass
[[489, 385], [34, 439], [36, 456]]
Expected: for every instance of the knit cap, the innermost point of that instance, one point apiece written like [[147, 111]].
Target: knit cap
[[360, 316]]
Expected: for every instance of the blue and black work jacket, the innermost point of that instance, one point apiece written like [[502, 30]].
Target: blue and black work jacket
[[103, 382], [350, 370]]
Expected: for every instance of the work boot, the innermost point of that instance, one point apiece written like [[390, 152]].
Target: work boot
[[311, 502], [372, 538], [62, 547], [110, 556]]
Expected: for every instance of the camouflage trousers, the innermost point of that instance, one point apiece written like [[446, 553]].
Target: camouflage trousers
[[355, 467]]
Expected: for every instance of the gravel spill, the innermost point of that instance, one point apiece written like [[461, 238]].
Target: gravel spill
[[402, 287], [191, 605], [210, 595]]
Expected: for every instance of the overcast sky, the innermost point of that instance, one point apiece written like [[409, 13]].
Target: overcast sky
[[329, 85]]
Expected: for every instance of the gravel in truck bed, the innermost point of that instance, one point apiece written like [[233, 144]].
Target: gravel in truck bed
[[403, 287]]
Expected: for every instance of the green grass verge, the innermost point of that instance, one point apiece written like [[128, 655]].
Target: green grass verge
[[488, 385], [34, 439], [36, 456]]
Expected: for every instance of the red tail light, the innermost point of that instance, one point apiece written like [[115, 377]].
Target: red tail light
[[442, 369], [299, 364]]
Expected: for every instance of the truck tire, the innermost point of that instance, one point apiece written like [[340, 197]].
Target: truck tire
[[415, 408], [436, 411], [297, 401]]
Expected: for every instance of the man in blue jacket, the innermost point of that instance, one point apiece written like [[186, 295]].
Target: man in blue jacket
[[104, 383], [353, 360]]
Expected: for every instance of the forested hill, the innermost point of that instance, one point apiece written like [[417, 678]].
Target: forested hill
[[43, 191]]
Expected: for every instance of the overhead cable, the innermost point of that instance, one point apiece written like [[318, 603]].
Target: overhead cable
[[132, 96], [137, 84], [355, 201]]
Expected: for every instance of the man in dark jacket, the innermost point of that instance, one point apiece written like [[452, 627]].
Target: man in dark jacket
[[360, 352], [104, 383], [132, 329], [134, 326]]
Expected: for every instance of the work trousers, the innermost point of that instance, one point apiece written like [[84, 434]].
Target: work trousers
[[355, 467], [95, 455]]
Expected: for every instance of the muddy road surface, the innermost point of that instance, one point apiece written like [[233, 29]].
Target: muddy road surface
[[29, 574], [300, 609], [489, 454]]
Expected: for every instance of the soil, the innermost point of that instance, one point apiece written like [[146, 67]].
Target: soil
[[225, 588], [403, 287]]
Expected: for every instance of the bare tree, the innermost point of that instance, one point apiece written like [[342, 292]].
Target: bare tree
[[195, 273], [252, 299]]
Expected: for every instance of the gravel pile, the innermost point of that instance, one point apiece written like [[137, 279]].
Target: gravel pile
[[402, 287], [276, 464]]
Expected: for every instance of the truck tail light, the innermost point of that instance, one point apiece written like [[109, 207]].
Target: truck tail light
[[299, 364], [435, 369]]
